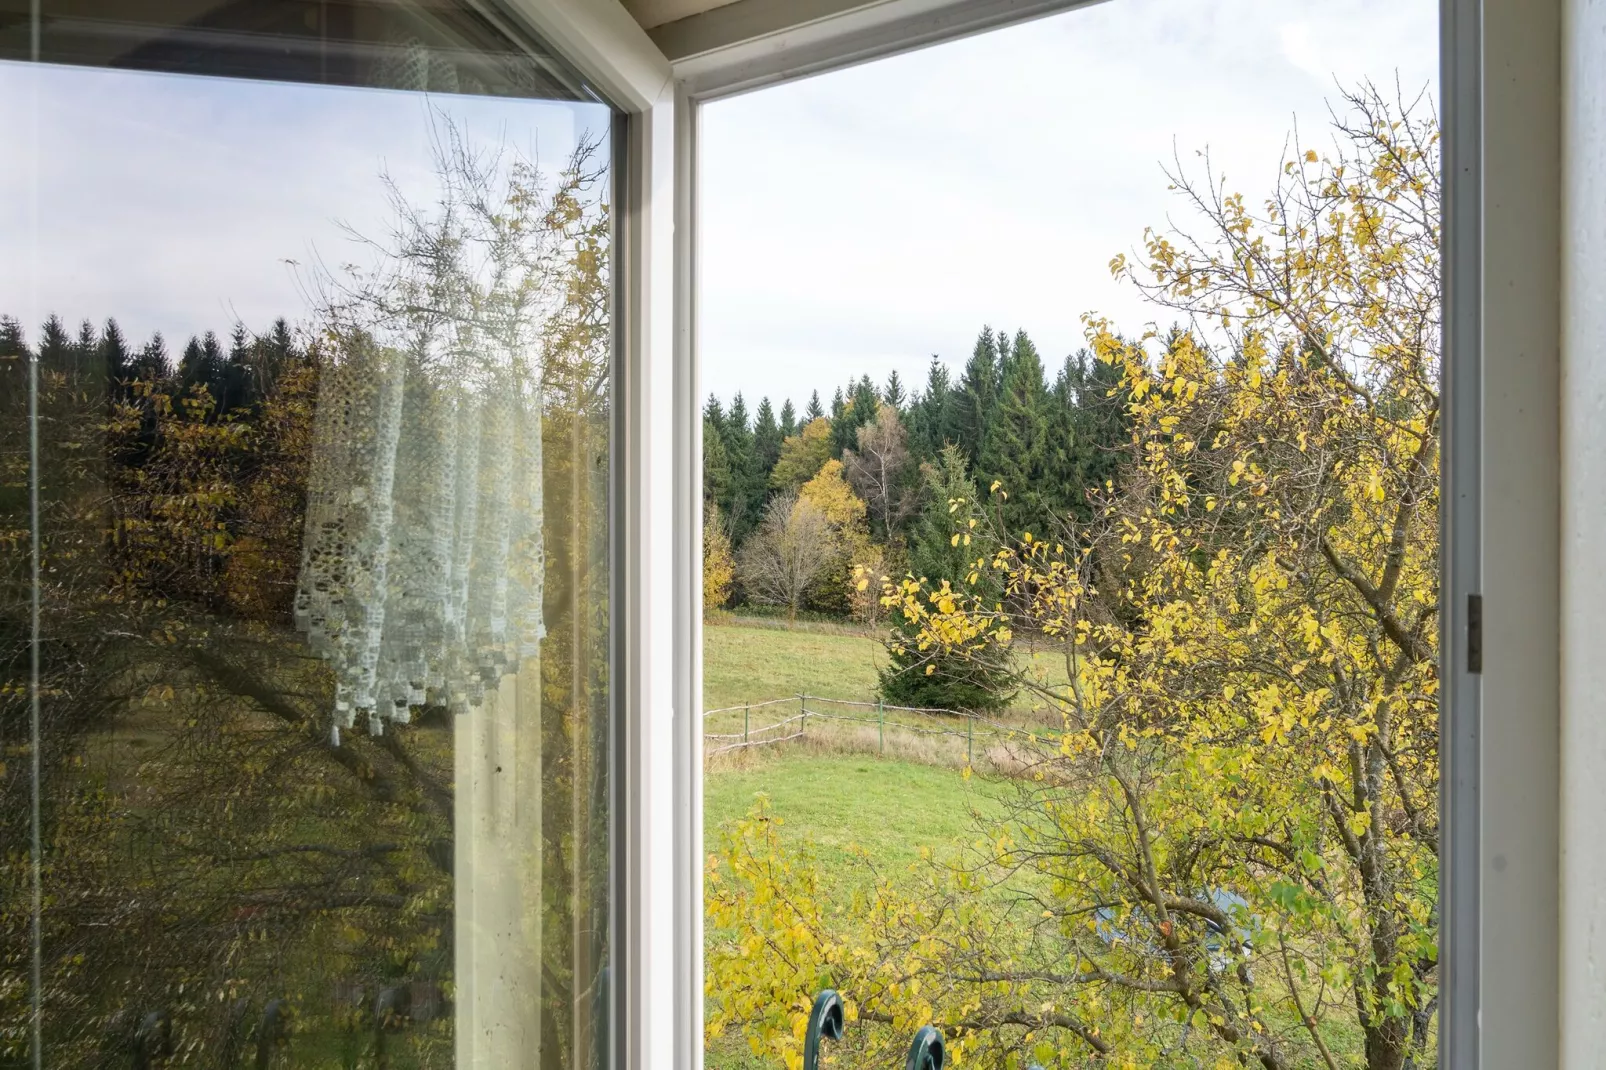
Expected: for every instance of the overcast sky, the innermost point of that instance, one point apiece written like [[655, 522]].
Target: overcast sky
[[182, 204], [855, 223], [863, 220]]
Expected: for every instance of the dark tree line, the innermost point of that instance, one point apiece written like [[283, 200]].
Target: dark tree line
[[200, 833], [1001, 448], [1043, 442]]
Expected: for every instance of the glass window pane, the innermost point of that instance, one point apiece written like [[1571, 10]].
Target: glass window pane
[[304, 677]]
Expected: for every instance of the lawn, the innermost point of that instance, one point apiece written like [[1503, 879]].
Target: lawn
[[891, 809], [751, 661]]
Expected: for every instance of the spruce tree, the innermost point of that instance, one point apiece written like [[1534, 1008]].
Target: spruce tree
[[745, 500], [958, 683], [55, 346], [1014, 443], [237, 380], [716, 467], [191, 364], [13, 340], [858, 410], [1063, 478], [893, 393], [789, 424], [278, 350], [203, 364], [978, 391], [934, 416], [766, 441], [86, 352], [814, 411], [152, 364], [116, 359], [1102, 426]]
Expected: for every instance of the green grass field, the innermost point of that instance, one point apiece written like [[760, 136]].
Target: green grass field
[[751, 661], [889, 808]]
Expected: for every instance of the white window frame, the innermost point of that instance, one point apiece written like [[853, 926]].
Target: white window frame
[[1500, 93], [607, 46]]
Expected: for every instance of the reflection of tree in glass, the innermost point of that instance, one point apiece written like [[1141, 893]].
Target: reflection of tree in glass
[[203, 840]]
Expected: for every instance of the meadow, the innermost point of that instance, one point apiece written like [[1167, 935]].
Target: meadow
[[836, 789]]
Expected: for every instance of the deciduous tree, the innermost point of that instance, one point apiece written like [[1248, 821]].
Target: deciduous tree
[[878, 469], [790, 552], [1229, 854]]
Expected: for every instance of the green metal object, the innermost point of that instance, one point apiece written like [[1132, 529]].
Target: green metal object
[[880, 726], [825, 1023], [926, 1053], [803, 713], [970, 727], [747, 713]]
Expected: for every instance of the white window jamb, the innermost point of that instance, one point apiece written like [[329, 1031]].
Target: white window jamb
[[606, 45], [712, 58]]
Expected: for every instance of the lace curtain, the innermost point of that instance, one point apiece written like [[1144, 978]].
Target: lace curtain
[[421, 578]]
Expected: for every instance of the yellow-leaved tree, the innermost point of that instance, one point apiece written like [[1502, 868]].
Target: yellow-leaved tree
[[1227, 854], [719, 563]]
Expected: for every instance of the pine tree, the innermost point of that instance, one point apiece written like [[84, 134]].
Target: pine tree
[[1015, 441], [789, 424], [978, 391], [814, 411]]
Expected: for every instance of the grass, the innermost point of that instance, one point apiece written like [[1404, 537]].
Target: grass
[[755, 660], [889, 808], [745, 662]]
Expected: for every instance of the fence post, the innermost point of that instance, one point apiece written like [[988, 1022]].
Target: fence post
[[970, 731], [746, 717], [803, 714], [880, 726]]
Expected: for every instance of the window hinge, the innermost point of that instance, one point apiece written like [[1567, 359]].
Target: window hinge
[[1475, 633]]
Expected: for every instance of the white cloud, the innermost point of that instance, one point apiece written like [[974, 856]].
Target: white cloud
[[174, 202], [863, 220]]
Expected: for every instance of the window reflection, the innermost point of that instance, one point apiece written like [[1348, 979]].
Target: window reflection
[[321, 602]]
